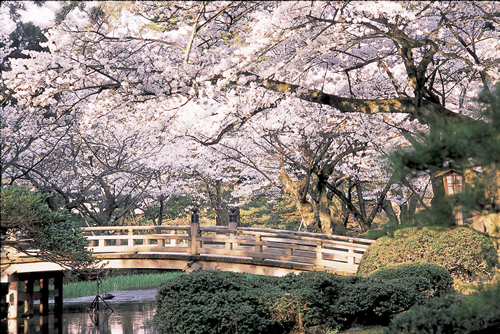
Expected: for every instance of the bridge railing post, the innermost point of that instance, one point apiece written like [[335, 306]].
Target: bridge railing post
[[195, 226], [350, 257], [233, 218], [131, 241], [173, 242], [233, 225], [319, 252], [258, 243]]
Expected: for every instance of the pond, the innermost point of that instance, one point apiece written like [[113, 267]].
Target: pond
[[133, 312]]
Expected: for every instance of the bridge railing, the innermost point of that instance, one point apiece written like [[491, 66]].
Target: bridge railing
[[319, 250]]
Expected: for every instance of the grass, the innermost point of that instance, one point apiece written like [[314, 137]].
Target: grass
[[265, 212], [365, 330], [129, 282]]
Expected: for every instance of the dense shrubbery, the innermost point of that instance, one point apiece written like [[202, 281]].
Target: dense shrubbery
[[452, 313], [429, 279], [213, 302], [226, 302], [321, 300], [464, 252]]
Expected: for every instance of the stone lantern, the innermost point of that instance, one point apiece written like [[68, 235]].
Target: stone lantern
[[453, 182]]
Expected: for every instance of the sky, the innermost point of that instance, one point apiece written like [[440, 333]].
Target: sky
[[40, 16]]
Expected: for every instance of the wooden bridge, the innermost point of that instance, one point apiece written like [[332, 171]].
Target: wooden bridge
[[187, 247]]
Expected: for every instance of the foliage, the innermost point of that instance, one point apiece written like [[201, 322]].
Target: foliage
[[452, 313], [463, 251], [225, 302], [49, 235], [433, 280], [329, 301], [212, 302], [461, 145]]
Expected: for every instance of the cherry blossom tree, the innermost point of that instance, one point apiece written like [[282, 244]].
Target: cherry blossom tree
[[188, 75]]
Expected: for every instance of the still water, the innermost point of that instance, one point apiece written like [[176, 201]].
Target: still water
[[133, 313]]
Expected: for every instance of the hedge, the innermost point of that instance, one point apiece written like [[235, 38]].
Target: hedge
[[433, 280], [464, 252], [213, 302], [226, 302], [452, 313]]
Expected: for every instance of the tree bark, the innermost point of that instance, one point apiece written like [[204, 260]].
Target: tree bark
[[389, 211], [296, 190]]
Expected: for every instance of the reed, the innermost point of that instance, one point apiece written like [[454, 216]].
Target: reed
[[125, 282]]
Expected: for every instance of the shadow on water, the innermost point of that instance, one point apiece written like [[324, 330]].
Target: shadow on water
[[133, 313]]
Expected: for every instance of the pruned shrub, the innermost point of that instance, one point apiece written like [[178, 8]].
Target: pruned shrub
[[452, 313], [226, 302], [464, 252], [213, 302], [429, 279], [319, 299]]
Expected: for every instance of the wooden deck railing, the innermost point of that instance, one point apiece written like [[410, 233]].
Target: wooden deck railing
[[319, 250]]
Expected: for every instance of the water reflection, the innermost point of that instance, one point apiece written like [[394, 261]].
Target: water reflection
[[133, 313]]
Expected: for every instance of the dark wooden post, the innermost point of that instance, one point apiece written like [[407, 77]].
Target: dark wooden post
[[44, 300], [29, 303], [58, 299], [233, 224], [233, 218], [195, 225]]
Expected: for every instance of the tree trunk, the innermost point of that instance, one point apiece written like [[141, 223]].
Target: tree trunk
[[296, 190], [221, 215], [389, 211], [328, 224], [361, 201], [325, 215], [162, 208], [408, 210]]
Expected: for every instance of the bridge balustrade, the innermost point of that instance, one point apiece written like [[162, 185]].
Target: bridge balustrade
[[319, 250]]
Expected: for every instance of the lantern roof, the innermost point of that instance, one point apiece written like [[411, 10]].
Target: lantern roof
[[446, 171]]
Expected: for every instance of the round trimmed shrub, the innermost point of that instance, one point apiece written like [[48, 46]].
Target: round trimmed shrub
[[429, 278], [212, 301], [464, 252]]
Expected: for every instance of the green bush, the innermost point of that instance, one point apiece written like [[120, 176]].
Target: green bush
[[213, 302], [452, 313], [464, 252], [323, 300], [225, 302], [429, 278]]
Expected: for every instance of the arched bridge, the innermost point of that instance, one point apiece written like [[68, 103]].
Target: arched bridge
[[233, 248], [230, 248]]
